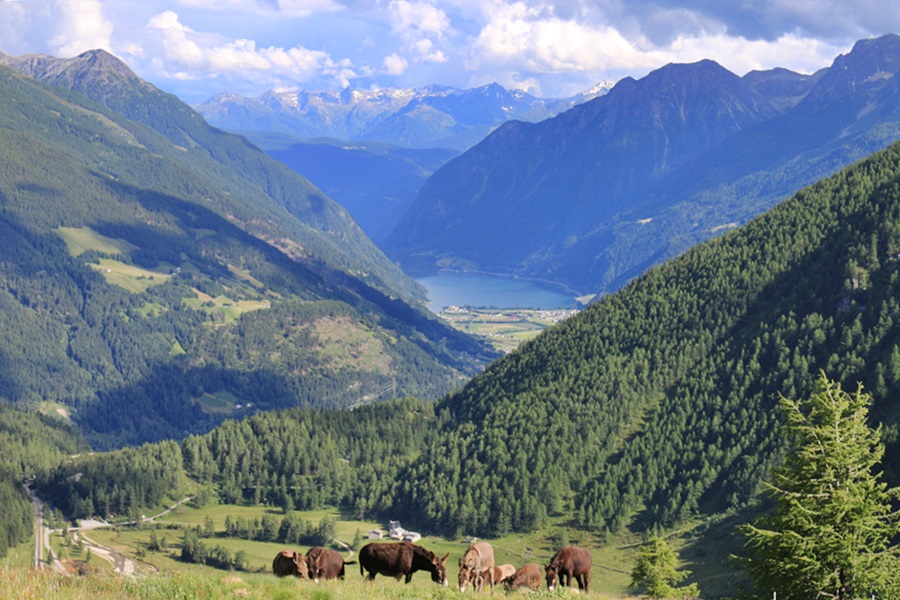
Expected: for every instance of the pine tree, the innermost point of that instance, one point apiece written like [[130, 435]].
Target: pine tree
[[656, 571], [831, 531]]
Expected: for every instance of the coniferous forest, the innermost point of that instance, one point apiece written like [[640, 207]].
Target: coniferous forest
[[654, 404]]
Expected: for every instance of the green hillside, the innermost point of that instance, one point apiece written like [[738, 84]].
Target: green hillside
[[254, 190], [33, 444], [139, 284], [655, 407], [657, 402]]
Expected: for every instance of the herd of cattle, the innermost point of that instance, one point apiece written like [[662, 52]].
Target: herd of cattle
[[404, 558]]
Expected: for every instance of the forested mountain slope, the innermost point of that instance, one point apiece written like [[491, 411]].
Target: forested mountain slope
[[153, 289], [653, 404], [33, 445], [658, 401], [254, 185], [645, 172]]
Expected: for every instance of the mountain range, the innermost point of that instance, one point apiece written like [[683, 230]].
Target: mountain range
[[158, 274], [371, 150], [639, 175], [434, 116]]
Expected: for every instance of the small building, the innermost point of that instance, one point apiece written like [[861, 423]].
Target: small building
[[411, 536], [375, 534], [396, 531]]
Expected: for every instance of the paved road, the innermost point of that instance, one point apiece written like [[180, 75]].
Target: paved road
[[120, 563], [42, 537], [38, 528]]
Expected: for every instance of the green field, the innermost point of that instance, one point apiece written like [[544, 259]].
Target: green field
[[80, 240], [613, 560], [220, 403], [133, 278], [229, 308], [505, 329]]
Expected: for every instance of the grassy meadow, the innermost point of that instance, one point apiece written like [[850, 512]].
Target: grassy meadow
[[161, 573]]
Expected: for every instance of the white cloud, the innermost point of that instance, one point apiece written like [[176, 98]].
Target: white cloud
[[791, 51], [538, 41], [187, 53], [427, 53], [291, 8], [81, 26], [13, 19], [415, 19], [394, 64], [527, 41]]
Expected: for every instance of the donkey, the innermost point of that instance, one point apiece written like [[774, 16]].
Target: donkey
[[401, 559], [478, 560]]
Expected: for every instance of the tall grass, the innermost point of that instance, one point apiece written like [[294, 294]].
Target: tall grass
[[26, 584]]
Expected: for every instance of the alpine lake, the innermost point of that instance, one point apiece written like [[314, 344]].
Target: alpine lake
[[506, 310]]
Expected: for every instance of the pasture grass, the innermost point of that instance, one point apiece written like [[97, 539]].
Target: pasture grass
[[133, 278], [188, 585], [81, 239], [229, 308], [695, 541]]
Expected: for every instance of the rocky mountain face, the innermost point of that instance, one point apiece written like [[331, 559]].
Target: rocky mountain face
[[428, 117], [595, 195]]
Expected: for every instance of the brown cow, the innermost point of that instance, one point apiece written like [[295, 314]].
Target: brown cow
[[325, 563], [399, 559], [528, 576], [289, 562], [569, 562], [478, 559]]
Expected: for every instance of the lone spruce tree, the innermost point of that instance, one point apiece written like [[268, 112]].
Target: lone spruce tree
[[831, 531], [656, 570]]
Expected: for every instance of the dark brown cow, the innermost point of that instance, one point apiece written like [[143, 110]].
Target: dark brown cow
[[478, 560], [528, 576], [325, 563], [399, 559], [289, 562], [569, 562]]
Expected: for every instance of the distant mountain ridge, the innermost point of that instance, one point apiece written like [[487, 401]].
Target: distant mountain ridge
[[592, 197], [426, 117]]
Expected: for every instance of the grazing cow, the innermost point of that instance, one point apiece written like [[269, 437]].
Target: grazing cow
[[528, 576], [397, 560], [289, 562], [569, 562], [478, 559], [325, 563]]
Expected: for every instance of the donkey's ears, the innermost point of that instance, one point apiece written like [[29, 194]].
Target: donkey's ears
[[446, 556]]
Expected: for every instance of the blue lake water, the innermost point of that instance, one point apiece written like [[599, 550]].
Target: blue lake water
[[480, 290]]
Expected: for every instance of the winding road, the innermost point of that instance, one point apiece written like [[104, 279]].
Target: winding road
[[121, 563]]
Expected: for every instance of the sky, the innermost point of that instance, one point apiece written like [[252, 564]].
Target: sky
[[196, 48]]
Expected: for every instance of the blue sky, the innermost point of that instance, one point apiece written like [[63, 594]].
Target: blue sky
[[195, 48]]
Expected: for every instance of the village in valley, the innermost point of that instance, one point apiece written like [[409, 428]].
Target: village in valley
[[506, 328]]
